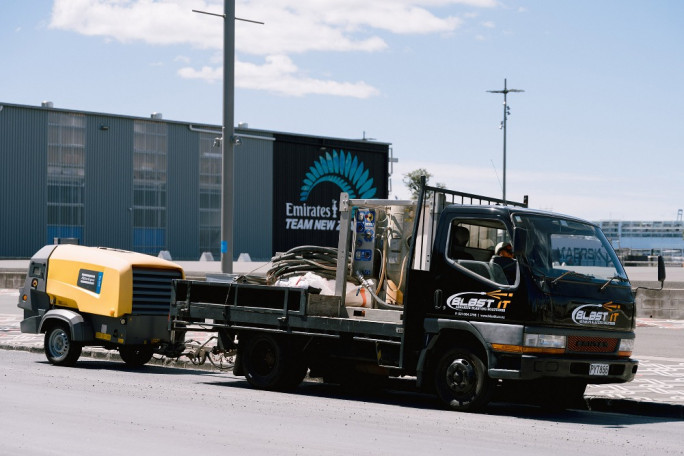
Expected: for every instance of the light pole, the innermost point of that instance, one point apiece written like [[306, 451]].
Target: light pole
[[227, 180], [228, 139], [506, 112]]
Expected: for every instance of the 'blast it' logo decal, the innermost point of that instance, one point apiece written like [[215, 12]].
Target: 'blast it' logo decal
[[597, 314], [342, 169], [492, 304]]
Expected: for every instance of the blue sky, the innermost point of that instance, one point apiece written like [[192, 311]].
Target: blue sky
[[598, 132]]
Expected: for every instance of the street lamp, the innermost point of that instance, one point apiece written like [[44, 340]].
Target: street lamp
[[229, 141], [506, 113]]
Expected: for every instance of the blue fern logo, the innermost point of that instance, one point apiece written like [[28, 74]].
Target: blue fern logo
[[343, 170]]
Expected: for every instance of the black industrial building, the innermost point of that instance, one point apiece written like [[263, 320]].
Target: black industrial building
[[151, 185]]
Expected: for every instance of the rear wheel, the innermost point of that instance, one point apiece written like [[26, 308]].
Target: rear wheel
[[136, 355], [461, 381], [296, 371], [60, 349], [265, 362]]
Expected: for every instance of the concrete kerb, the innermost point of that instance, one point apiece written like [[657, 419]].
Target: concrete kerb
[[597, 404]]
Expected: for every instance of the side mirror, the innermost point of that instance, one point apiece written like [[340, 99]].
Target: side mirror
[[661, 271], [519, 242]]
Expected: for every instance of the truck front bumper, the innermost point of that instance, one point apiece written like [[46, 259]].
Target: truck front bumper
[[595, 371]]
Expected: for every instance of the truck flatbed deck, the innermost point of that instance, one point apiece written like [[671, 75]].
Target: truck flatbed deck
[[279, 309]]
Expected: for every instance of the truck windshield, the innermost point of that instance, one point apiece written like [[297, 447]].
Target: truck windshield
[[563, 248]]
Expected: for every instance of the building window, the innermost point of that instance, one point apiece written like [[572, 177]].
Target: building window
[[149, 186], [65, 176], [209, 195]]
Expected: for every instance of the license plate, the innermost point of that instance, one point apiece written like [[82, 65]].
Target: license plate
[[598, 369]]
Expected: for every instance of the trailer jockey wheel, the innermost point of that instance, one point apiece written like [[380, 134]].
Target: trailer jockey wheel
[[60, 349], [462, 382], [265, 363]]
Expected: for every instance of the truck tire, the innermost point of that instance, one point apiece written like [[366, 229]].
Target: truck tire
[[461, 381], [296, 372], [265, 362], [60, 349], [136, 355]]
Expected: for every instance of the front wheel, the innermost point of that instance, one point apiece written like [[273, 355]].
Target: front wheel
[[136, 355], [60, 349], [462, 382]]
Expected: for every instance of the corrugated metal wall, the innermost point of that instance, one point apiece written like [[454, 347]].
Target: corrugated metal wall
[[23, 176], [253, 197], [183, 193], [109, 182]]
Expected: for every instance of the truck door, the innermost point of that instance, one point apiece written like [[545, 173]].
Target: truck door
[[472, 281]]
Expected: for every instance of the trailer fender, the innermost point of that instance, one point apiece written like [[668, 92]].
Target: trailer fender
[[81, 330], [440, 331]]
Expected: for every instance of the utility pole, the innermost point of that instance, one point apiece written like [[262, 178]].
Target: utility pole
[[228, 139], [506, 113], [227, 179]]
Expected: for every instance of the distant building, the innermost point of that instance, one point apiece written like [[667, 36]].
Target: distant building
[[149, 184], [639, 239]]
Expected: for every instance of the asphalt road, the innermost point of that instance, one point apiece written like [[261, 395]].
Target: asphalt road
[[102, 407]]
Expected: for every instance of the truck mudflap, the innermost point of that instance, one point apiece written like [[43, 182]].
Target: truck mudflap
[[585, 369]]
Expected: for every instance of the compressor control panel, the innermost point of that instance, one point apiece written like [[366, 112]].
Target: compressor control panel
[[364, 242]]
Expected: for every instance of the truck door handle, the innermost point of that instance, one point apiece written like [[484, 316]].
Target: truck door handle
[[438, 299]]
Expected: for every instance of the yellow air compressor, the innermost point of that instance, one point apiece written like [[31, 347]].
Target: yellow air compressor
[[96, 296]]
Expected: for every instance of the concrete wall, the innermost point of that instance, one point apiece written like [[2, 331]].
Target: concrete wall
[[12, 279], [662, 304]]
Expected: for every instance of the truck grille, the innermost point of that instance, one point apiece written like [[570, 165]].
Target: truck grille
[[152, 290], [581, 344]]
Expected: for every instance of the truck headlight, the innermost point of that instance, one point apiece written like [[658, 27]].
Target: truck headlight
[[543, 341], [626, 347], [535, 343]]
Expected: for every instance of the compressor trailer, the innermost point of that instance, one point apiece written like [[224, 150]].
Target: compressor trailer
[[416, 289]]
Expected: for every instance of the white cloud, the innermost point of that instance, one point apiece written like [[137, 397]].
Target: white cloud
[[291, 27], [280, 75], [205, 73]]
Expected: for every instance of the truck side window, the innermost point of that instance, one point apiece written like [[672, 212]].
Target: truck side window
[[471, 245]]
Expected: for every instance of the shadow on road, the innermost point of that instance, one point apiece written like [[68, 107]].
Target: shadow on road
[[120, 366], [401, 393]]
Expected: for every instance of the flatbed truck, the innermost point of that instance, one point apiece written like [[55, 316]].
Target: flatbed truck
[[419, 292], [455, 317]]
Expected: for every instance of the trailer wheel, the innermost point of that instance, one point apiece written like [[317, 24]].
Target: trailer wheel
[[136, 355], [60, 349], [461, 381], [265, 363]]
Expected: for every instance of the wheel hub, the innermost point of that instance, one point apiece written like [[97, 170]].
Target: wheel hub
[[59, 343], [460, 375]]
